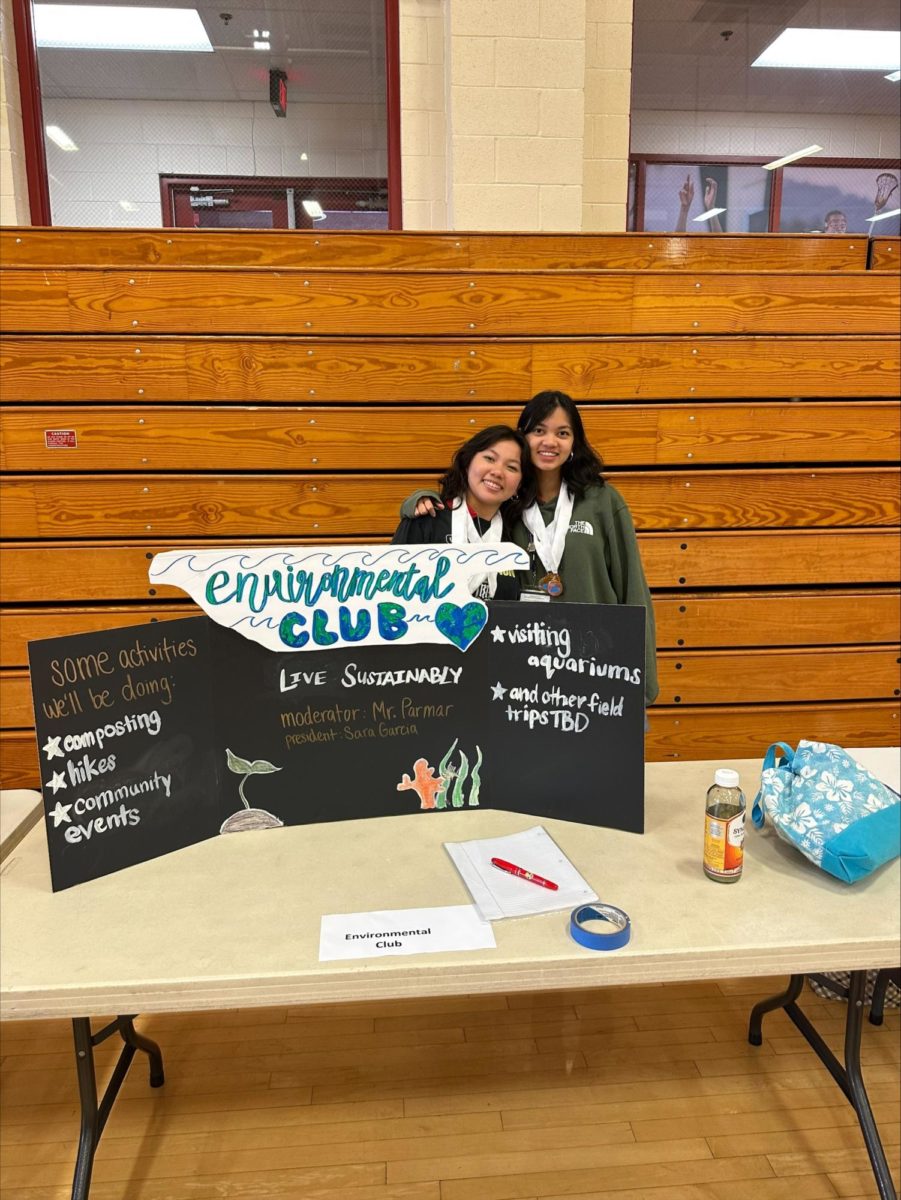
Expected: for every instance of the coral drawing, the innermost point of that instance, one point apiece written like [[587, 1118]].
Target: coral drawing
[[247, 817], [423, 783], [433, 791]]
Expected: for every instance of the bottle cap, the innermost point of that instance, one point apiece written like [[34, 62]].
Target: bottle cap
[[725, 777]]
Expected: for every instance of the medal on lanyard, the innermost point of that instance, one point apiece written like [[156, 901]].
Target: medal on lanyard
[[551, 583], [548, 541]]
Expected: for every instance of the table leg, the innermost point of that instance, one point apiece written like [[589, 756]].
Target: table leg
[[94, 1115], [847, 1076], [877, 1005]]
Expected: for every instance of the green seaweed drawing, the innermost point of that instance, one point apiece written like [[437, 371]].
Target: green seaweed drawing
[[457, 793], [475, 781], [445, 774]]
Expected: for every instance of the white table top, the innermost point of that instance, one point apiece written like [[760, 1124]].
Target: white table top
[[234, 922]]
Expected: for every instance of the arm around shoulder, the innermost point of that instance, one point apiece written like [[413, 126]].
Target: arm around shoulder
[[408, 508]]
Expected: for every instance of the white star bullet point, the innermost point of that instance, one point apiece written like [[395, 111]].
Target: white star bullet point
[[498, 634], [60, 814], [58, 781], [498, 691], [51, 749]]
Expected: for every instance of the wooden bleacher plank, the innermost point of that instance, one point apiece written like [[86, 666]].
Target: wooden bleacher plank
[[116, 570], [278, 506], [785, 558], [746, 499], [885, 254], [734, 303], [19, 766], [774, 433], [15, 700], [747, 731], [264, 370], [719, 368], [219, 438], [475, 251], [776, 618], [778, 675], [19, 626], [242, 248], [161, 300], [671, 252]]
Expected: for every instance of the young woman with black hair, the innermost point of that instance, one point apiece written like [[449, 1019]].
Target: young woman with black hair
[[579, 532], [480, 498]]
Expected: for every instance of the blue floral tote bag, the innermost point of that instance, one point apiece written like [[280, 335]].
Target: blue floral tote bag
[[830, 807]]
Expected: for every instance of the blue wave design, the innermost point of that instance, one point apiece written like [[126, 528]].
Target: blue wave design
[[255, 621], [246, 560]]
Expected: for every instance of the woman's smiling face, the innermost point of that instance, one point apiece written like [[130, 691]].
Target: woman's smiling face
[[551, 441], [494, 476]]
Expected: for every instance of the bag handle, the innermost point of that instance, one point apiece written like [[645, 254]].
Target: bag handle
[[757, 813]]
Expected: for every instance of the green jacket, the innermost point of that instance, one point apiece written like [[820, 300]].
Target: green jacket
[[601, 563]]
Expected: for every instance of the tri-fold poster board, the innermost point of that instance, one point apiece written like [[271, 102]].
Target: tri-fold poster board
[[157, 736]]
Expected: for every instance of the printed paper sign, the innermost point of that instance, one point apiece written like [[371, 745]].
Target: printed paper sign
[[403, 931], [332, 597]]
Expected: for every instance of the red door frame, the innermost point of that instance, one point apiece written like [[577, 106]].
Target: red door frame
[[32, 112], [392, 105], [33, 117]]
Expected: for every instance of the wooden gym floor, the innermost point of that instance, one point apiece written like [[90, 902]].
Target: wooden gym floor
[[633, 1093]]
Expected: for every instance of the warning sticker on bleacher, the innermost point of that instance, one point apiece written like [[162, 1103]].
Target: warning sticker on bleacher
[[60, 439]]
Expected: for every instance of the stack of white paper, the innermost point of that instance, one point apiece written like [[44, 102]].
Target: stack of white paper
[[498, 894]]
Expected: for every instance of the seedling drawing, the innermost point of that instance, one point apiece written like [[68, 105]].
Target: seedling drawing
[[247, 817]]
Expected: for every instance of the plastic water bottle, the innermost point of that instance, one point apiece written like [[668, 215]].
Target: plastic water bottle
[[724, 828]]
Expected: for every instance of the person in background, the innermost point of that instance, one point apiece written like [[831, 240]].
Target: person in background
[[579, 532], [687, 195], [886, 185], [835, 222], [480, 496]]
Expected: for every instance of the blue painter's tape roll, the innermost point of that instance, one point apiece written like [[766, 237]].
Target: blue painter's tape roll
[[593, 939]]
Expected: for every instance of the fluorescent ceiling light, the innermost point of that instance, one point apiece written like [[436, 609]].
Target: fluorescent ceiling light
[[882, 216], [313, 209], [98, 27], [834, 49], [793, 157], [894, 77], [60, 137], [711, 212], [261, 46], [128, 206]]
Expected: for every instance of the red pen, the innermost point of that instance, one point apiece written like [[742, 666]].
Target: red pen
[[522, 873]]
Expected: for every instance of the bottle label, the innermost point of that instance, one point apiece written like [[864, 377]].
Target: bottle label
[[724, 845]]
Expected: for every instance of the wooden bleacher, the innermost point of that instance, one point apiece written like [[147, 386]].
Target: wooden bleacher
[[260, 387]]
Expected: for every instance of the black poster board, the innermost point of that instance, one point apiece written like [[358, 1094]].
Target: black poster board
[[157, 736]]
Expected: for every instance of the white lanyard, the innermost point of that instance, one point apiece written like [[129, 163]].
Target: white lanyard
[[464, 532], [549, 540]]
